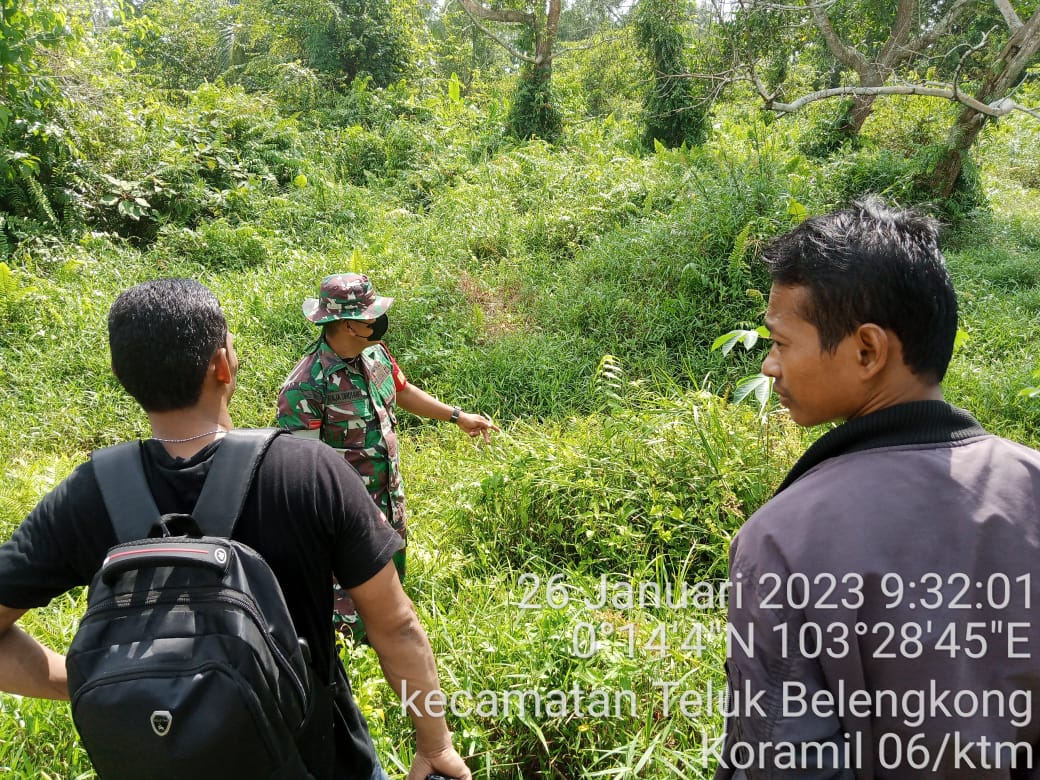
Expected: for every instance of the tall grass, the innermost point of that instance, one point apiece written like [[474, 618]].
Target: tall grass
[[516, 541], [516, 268]]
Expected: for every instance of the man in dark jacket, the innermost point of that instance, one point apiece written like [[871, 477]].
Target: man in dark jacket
[[307, 514], [884, 624]]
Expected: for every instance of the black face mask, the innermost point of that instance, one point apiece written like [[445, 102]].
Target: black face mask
[[379, 327]]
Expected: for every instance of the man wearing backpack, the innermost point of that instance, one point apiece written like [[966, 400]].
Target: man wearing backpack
[[307, 514]]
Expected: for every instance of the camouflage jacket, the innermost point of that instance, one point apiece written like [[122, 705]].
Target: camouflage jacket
[[351, 404]]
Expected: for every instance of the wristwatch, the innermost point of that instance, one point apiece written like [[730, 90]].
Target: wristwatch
[[455, 412]]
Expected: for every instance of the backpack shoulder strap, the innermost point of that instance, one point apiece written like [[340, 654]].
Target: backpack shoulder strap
[[229, 479], [124, 489]]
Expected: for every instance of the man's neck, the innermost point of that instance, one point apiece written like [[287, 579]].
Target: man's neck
[[903, 393], [183, 432]]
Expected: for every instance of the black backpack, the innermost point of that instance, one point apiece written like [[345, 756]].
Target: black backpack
[[186, 664]]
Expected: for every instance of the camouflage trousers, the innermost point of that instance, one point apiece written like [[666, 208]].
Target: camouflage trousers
[[344, 614]]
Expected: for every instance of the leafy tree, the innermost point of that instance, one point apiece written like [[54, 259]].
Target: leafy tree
[[184, 43], [676, 109], [349, 38], [533, 112], [189, 42], [34, 143], [893, 35], [937, 48], [1004, 72]]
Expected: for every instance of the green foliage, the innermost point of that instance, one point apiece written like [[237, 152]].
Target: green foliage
[[186, 161], [34, 138], [294, 86], [597, 79], [746, 338], [677, 109], [183, 44], [1012, 145], [360, 154], [908, 123], [905, 180], [283, 45], [1031, 392], [457, 45], [533, 114], [571, 290], [12, 294], [216, 245], [661, 480], [759, 385], [830, 135], [350, 38], [583, 19]]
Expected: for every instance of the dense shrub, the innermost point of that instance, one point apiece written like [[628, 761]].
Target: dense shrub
[[533, 112], [600, 79], [903, 179], [37, 146], [216, 245], [352, 38], [662, 481]]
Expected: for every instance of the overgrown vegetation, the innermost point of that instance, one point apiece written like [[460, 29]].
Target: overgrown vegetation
[[677, 108], [572, 290]]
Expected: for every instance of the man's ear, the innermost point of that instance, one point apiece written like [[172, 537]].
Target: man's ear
[[221, 366], [874, 349]]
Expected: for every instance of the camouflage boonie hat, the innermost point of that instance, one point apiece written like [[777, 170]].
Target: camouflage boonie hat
[[345, 297]]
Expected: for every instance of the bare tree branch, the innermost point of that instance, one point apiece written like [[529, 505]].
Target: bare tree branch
[[964, 58], [766, 96], [593, 43], [896, 42], [1013, 22], [1001, 107], [476, 12], [848, 55]]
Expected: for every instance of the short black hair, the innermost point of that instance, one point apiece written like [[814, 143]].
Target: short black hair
[[162, 335], [873, 263]]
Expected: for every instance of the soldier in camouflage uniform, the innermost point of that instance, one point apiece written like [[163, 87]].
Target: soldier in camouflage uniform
[[344, 391]]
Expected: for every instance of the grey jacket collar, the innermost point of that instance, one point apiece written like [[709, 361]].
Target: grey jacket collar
[[918, 422]]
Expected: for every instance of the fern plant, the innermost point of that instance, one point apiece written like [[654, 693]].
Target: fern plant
[[609, 380], [12, 293], [39, 198]]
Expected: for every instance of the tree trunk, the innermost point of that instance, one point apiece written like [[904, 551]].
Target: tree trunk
[[1005, 72], [861, 108]]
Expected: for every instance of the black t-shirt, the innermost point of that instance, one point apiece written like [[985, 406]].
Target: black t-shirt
[[307, 514]]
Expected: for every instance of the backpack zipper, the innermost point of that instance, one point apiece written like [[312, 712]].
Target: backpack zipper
[[221, 595]]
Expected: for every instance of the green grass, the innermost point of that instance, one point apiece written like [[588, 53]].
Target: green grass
[[516, 268]]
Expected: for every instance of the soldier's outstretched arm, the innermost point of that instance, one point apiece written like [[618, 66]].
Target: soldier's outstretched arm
[[417, 401]]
